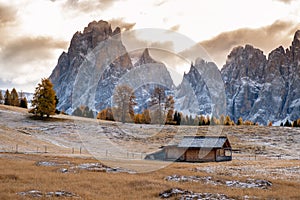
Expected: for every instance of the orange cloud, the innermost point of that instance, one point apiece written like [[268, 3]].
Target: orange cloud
[[266, 38]]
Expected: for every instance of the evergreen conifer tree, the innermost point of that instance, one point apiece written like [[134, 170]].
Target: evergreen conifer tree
[[1, 98], [14, 98], [7, 98], [44, 98], [23, 103]]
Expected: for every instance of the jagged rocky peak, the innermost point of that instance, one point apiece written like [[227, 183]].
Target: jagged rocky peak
[[145, 58], [297, 37], [207, 68], [98, 27], [116, 31], [295, 49], [201, 90], [243, 74], [246, 62], [91, 36], [73, 64], [277, 64]]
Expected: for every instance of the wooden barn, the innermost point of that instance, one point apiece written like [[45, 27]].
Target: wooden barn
[[196, 149]]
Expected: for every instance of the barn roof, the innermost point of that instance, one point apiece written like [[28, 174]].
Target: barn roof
[[203, 142]]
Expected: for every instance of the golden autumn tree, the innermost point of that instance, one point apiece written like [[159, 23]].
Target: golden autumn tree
[[44, 98], [14, 98], [147, 117], [240, 121], [7, 98], [106, 114], [228, 121], [1, 97], [157, 100], [169, 108], [124, 101], [270, 123]]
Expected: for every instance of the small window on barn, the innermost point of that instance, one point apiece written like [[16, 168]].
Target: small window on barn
[[220, 152], [228, 153]]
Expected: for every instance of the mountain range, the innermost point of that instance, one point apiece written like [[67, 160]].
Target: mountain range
[[252, 86]]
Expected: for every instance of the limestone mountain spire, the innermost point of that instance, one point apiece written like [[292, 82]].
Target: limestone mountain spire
[[145, 58]]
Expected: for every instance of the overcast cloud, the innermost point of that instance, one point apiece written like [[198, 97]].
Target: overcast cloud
[[7, 14], [119, 22], [34, 33], [286, 1], [266, 38], [86, 6]]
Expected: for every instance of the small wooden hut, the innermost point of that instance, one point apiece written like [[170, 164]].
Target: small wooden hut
[[196, 149]]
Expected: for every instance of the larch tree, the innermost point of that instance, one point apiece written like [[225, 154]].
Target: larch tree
[[77, 112], [147, 118], [240, 121], [157, 99], [44, 98], [7, 98], [106, 114], [222, 119], [270, 124], [14, 98], [124, 102], [87, 112], [207, 120], [1, 98], [227, 121], [169, 108], [23, 103]]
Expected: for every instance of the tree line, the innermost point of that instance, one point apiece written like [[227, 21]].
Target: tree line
[[12, 99], [160, 109], [295, 123]]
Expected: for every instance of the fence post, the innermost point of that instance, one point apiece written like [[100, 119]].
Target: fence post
[[45, 149], [16, 148], [72, 150], [37, 149], [80, 150]]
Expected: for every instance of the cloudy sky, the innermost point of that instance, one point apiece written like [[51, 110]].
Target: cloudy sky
[[33, 33]]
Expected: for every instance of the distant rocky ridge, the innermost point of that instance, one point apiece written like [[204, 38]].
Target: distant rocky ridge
[[256, 88], [96, 62], [263, 89], [92, 52]]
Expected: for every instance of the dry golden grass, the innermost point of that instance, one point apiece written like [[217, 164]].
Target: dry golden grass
[[19, 173]]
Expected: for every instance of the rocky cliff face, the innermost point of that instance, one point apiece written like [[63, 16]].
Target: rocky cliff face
[[96, 63], [146, 75], [243, 76], [193, 95], [201, 91], [261, 89], [96, 57], [252, 86]]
